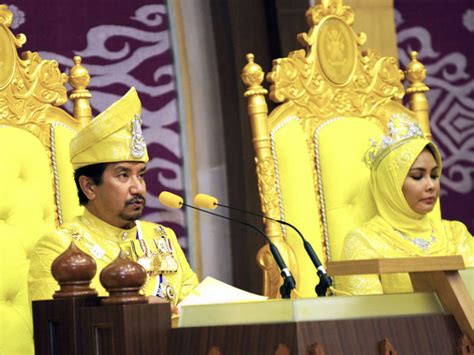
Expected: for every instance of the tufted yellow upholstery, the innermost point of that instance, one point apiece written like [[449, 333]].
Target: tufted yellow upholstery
[[37, 193], [37, 190], [345, 179], [26, 213], [298, 200]]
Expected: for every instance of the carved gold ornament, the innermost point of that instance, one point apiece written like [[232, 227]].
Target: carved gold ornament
[[31, 91]]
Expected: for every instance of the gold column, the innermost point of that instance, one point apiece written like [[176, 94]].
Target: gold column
[[252, 76], [416, 73]]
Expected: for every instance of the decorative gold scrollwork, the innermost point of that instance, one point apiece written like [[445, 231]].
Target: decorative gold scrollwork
[[327, 8], [29, 85], [267, 187], [31, 89]]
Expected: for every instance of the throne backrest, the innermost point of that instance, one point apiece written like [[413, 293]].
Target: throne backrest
[[37, 189], [309, 149]]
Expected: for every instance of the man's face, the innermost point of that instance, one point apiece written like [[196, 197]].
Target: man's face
[[120, 198]]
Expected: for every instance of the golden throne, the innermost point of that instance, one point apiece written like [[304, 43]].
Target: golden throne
[[309, 149], [37, 190]]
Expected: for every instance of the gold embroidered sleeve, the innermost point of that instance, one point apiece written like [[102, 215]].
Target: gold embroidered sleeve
[[41, 284], [461, 241], [357, 247]]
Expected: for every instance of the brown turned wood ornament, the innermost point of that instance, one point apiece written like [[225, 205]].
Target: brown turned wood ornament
[[215, 350], [316, 349], [465, 346], [282, 350], [74, 270], [123, 279], [386, 348]]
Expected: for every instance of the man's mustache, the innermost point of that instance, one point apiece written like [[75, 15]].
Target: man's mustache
[[135, 199]]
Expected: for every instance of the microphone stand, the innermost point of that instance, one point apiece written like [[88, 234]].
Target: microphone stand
[[289, 282], [325, 281]]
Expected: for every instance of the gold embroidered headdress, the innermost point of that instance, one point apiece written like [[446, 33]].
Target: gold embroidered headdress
[[114, 135]]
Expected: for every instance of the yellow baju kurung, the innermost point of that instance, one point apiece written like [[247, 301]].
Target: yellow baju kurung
[[157, 250], [373, 242], [397, 231]]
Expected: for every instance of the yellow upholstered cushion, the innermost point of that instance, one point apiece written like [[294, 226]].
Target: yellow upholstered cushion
[[26, 213], [297, 198], [345, 178], [66, 190]]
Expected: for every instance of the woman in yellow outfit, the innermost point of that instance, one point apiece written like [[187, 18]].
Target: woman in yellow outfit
[[405, 172]]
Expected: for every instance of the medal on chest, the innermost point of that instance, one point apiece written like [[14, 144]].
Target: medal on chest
[[166, 262], [165, 289], [155, 255]]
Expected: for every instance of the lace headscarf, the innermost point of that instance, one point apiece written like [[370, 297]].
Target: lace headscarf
[[387, 179]]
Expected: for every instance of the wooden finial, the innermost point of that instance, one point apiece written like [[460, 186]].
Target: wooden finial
[[123, 279], [74, 270]]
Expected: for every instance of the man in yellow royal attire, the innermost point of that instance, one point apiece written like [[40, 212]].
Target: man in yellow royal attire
[[109, 158]]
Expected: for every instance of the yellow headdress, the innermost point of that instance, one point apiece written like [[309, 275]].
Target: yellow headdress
[[390, 159], [114, 135]]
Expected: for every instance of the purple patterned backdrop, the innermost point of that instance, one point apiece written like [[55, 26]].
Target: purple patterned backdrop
[[128, 43], [443, 34], [122, 44]]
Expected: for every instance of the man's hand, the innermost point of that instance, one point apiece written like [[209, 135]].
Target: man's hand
[[156, 299]]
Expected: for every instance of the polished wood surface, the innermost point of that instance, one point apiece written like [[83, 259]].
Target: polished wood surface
[[125, 329], [73, 270], [434, 273], [123, 279], [56, 330], [84, 326], [395, 265], [452, 293], [431, 334]]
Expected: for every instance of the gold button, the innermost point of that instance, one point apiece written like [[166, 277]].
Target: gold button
[[124, 236], [127, 253]]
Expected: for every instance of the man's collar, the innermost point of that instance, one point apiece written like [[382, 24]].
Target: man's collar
[[106, 230]]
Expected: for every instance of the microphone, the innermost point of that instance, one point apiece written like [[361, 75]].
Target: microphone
[[325, 281], [174, 201]]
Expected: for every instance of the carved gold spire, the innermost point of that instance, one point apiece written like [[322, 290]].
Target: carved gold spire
[[79, 79], [416, 74], [252, 76]]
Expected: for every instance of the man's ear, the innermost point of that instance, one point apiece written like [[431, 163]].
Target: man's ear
[[87, 186]]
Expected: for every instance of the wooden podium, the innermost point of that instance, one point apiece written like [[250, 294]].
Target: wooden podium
[[379, 324], [81, 325], [437, 274]]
